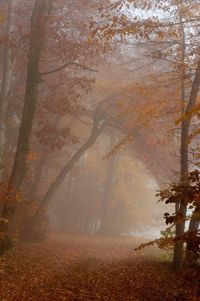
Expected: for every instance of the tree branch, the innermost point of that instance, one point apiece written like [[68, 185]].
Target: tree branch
[[65, 65]]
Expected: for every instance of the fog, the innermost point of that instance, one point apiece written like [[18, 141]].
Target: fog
[[110, 197], [90, 133], [110, 185], [99, 150]]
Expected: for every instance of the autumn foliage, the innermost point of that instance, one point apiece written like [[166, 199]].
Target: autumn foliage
[[99, 108]]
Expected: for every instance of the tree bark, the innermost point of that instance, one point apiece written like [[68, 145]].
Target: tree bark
[[37, 177], [38, 22], [5, 83], [182, 209], [195, 220]]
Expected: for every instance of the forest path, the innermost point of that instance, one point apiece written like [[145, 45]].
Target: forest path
[[81, 269]]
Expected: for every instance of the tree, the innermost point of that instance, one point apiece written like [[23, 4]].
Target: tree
[[118, 26], [39, 121], [38, 23], [104, 227], [98, 125], [182, 207]]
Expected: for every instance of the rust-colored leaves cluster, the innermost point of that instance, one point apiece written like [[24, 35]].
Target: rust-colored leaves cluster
[[76, 269]]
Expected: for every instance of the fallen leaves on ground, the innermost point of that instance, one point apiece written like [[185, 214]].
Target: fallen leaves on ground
[[81, 269]]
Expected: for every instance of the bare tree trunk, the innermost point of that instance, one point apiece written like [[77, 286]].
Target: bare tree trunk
[[5, 83], [69, 204], [180, 208], [38, 21], [195, 220], [37, 177], [107, 191], [36, 45], [178, 250], [83, 215]]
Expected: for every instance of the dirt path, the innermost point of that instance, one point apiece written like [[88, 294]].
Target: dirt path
[[85, 269]]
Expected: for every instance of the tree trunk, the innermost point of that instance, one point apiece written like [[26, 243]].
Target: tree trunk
[[107, 191], [97, 128], [195, 220], [193, 228], [32, 195], [84, 206], [5, 83], [178, 249], [38, 21], [180, 208]]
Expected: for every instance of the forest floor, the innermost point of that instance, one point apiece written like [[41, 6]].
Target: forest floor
[[81, 269]]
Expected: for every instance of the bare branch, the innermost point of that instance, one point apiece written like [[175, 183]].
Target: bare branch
[[65, 65]]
